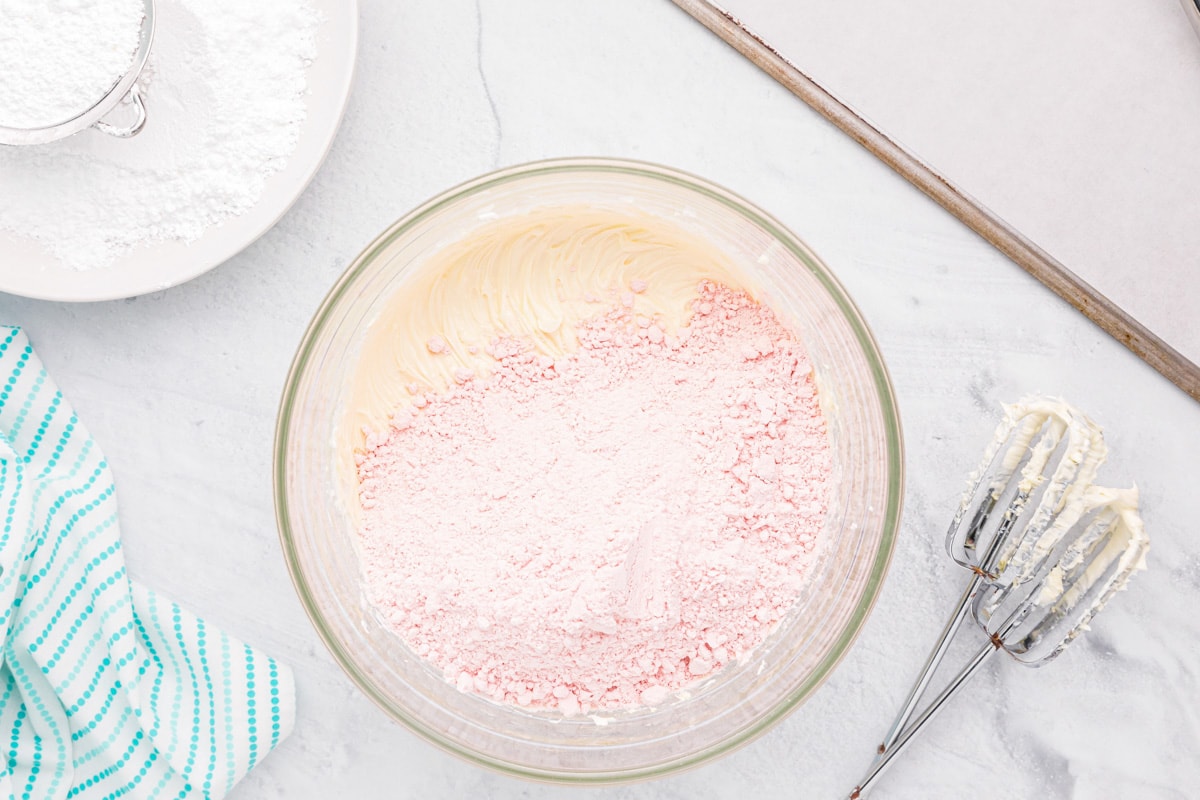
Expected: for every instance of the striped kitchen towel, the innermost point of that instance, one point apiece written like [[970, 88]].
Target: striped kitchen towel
[[107, 689]]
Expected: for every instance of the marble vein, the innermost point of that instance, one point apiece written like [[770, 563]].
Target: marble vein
[[483, 79]]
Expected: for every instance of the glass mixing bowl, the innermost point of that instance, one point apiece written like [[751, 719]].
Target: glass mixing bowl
[[725, 711]]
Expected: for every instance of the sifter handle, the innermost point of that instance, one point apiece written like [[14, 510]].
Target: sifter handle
[[126, 131]]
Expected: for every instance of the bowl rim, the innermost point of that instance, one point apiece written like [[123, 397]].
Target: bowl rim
[[893, 443]]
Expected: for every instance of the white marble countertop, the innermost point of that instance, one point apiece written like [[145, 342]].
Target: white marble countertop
[[180, 389]]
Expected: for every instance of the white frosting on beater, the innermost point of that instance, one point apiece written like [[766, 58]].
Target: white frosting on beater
[[1027, 438], [1127, 547], [1063, 491], [1113, 515]]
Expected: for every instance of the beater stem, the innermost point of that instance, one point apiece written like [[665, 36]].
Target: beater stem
[[931, 665], [957, 683]]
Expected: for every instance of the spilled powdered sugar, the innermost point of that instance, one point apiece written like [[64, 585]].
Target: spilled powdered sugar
[[225, 90]]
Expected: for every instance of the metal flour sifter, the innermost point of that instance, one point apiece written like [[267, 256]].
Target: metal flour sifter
[[124, 88]]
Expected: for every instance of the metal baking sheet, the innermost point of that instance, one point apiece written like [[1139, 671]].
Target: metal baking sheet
[[1066, 134]]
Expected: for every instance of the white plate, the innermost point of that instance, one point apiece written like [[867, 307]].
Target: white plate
[[27, 269]]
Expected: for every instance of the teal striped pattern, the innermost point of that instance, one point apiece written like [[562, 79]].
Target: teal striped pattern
[[107, 689]]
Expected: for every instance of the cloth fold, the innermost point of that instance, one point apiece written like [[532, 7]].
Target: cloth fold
[[107, 689]]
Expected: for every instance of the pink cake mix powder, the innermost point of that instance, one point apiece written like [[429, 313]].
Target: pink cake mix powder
[[599, 530]]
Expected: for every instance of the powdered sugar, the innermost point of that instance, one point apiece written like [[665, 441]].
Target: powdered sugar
[[225, 92], [58, 58], [598, 530]]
